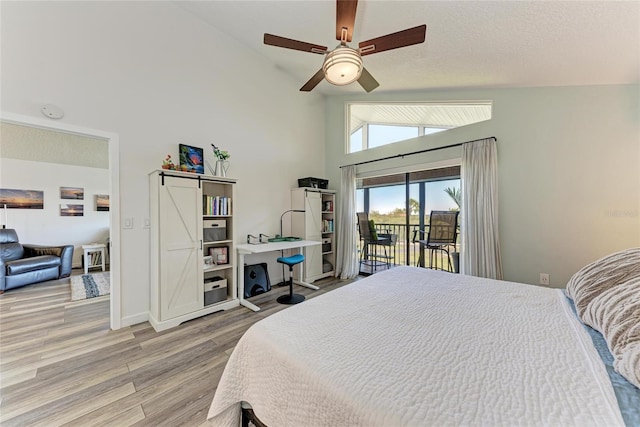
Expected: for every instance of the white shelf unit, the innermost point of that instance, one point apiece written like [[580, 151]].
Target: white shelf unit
[[179, 276], [318, 223]]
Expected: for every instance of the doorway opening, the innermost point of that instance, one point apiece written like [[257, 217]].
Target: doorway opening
[[113, 191]]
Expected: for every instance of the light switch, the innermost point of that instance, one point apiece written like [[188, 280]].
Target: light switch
[[127, 222], [147, 223]]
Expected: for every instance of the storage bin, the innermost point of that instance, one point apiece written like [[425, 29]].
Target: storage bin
[[313, 183], [326, 244], [214, 230], [327, 266], [215, 290]]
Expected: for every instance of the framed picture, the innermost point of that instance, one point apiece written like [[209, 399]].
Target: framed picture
[[208, 261], [191, 159], [74, 193], [102, 202], [219, 255], [21, 199], [71, 210]]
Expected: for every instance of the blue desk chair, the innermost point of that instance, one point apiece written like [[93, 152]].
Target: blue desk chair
[[291, 261]]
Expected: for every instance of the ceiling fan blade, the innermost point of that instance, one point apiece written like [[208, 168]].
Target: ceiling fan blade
[[313, 82], [345, 18], [402, 38], [278, 41], [367, 81]]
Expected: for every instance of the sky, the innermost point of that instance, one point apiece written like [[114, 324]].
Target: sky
[[386, 199]]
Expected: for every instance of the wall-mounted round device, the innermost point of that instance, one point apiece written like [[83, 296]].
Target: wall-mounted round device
[[52, 111]]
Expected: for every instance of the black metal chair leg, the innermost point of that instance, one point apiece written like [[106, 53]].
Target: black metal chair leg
[[291, 298]]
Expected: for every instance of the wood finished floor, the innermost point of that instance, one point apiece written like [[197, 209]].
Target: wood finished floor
[[60, 364]]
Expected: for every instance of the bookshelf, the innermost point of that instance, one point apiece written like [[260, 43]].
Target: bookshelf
[[317, 223], [328, 234], [218, 249]]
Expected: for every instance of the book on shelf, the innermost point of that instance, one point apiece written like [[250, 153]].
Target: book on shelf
[[327, 226], [216, 205]]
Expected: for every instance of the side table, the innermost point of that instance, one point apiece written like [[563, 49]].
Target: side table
[[94, 256]]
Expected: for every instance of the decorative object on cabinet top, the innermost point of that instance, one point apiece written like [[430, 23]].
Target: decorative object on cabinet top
[[220, 154], [167, 163], [313, 183], [222, 161], [191, 159]]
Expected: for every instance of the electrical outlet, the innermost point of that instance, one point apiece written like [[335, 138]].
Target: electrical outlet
[[544, 278]]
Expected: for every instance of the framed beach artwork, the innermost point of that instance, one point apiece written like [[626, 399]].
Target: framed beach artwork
[[71, 210], [21, 199], [191, 159], [102, 202], [72, 193]]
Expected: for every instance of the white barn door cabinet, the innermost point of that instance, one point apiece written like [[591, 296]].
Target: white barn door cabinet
[[317, 223], [182, 270]]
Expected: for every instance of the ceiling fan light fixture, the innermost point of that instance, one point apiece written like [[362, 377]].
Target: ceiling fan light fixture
[[342, 66]]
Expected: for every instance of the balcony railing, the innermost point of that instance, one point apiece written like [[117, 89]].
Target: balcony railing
[[400, 250]]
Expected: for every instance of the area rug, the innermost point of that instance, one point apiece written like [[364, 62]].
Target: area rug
[[90, 286]]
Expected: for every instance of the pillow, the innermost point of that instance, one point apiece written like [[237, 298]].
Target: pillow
[[372, 230], [600, 275], [615, 313], [38, 251]]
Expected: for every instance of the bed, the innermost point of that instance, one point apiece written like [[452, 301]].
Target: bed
[[418, 347]]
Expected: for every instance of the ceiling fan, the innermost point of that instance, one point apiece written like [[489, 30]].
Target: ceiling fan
[[343, 64]]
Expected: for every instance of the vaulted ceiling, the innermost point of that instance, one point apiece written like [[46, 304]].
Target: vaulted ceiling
[[469, 44]]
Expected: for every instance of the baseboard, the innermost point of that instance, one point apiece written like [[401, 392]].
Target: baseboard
[[163, 325], [134, 320]]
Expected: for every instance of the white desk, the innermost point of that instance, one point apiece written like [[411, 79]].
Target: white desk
[[247, 249]]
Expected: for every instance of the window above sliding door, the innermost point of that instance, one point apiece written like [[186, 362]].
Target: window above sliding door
[[373, 125]]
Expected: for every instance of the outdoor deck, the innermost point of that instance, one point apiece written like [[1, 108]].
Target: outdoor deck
[[404, 252]]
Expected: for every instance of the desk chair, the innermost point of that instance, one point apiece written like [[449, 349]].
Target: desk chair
[[443, 231], [291, 261]]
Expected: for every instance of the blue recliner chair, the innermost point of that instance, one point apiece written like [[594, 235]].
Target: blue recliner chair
[[22, 265]]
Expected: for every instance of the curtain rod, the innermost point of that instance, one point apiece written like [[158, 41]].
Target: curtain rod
[[418, 152]]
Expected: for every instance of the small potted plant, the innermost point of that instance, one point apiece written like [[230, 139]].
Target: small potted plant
[[222, 162], [220, 154], [167, 163]]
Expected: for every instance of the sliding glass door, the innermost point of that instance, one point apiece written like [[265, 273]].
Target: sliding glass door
[[400, 204]]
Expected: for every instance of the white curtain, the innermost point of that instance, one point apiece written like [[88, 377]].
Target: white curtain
[[480, 254], [347, 257]]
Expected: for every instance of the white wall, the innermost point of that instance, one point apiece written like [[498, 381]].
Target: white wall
[[46, 226], [157, 76], [569, 169]]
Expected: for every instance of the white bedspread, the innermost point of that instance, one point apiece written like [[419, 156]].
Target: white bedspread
[[416, 347]]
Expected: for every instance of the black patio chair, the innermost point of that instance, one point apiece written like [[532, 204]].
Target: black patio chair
[[442, 234], [377, 249]]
